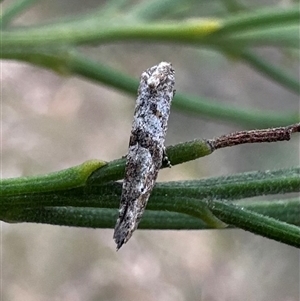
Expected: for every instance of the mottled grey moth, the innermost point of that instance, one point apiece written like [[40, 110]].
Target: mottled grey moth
[[146, 147]]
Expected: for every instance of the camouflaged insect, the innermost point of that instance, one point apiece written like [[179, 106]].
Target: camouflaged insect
[[146, 147]]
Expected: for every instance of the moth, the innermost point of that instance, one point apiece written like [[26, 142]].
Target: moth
[[146, 147]]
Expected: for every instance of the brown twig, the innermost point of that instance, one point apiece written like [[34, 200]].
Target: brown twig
[[255, 136]]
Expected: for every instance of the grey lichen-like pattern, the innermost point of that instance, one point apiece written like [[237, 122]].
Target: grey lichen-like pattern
[[146, 147]]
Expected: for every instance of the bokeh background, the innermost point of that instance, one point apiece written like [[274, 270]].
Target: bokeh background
[[51, 122]]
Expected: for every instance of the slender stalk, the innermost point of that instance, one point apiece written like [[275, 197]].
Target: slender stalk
[[212, 32], [106, 218], [107, 195], [267, 17], [255, 136], [256, 223], [102, 218], [210, 211], [234, 187], [75, 176], [274, 73], [72, 62], [100, 172]]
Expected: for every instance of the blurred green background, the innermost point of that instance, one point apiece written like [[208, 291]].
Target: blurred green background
[[52, 121]]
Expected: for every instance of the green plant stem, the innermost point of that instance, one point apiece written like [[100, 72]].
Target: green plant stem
[[271, 71], [104, 195], [177, 154], [91, 172], [98, 172], [106, 218], [195, 198], [267, 17], [172, 215], [235, 187], [78, 175], [287, 210], [102, 218], [210, 32], [71, 62], [262, 66], [187, 32], [97, 31], [75, 176], [80, 198], [256, 223], [280, 36]]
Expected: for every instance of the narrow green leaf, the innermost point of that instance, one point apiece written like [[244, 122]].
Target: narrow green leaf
[[71, 62], [256, 223]]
